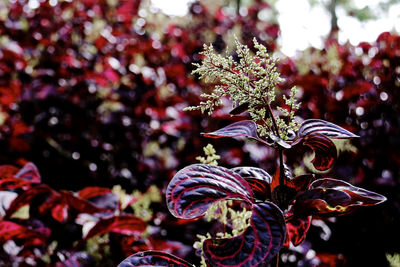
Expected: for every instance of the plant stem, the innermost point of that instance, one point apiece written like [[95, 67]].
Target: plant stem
[[277, 260], [281, 168], [275, 128]]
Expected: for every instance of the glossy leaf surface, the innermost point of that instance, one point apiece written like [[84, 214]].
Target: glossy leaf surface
[[296, 230], [258, 244], [196, 187], [245, 128], [258, 179], [324, 149], [154, 258], [331, 197], [323, 127]]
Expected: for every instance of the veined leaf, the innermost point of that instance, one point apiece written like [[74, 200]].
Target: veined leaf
[[326, 128], [324, 149], [246, 128], [154, 258], [331, 197], [196, 187], [259, 243], [258, 179]]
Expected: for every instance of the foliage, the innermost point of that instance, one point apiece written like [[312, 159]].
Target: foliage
[[282, 214], [92, 92]]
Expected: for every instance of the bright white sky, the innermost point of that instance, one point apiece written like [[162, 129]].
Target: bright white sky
[[302, 25]]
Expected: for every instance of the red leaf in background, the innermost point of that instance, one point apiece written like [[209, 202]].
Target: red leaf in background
[[79, 204], [324, 149], [12, 231], [60, 212], [8, 179], [7, 171], [101, 197], [331, 260], [258, 244], [154, 258], [296, 230], [356, 89], [127, 10], [26, 197], [313, 83], [111, 75], [93, 191], [123, 224]]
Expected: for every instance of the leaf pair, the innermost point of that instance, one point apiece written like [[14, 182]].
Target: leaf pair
[[313, 133], [195, 188]]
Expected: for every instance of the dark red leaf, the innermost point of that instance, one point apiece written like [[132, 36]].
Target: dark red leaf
[[296, 230], [258, 244], [196, 187], [154, 258], [93, 191], [326, 128], [60, 212], [357, 88], [7, 171], [324, 149], [26, 197], [79, 204], [258, 179], [301, 182], [246, 128], [12, 178], [331, 197], [122, 224], [101, 197], [12, 231]]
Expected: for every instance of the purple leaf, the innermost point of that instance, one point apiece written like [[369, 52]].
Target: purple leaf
[[324, 148], [326, 128], [258, 179], [29, 172], [258, 244], [246, 128], [331, 197], [154, 258], [196, 187]]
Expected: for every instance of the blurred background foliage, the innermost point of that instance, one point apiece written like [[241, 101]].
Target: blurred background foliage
[[92, 93]]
